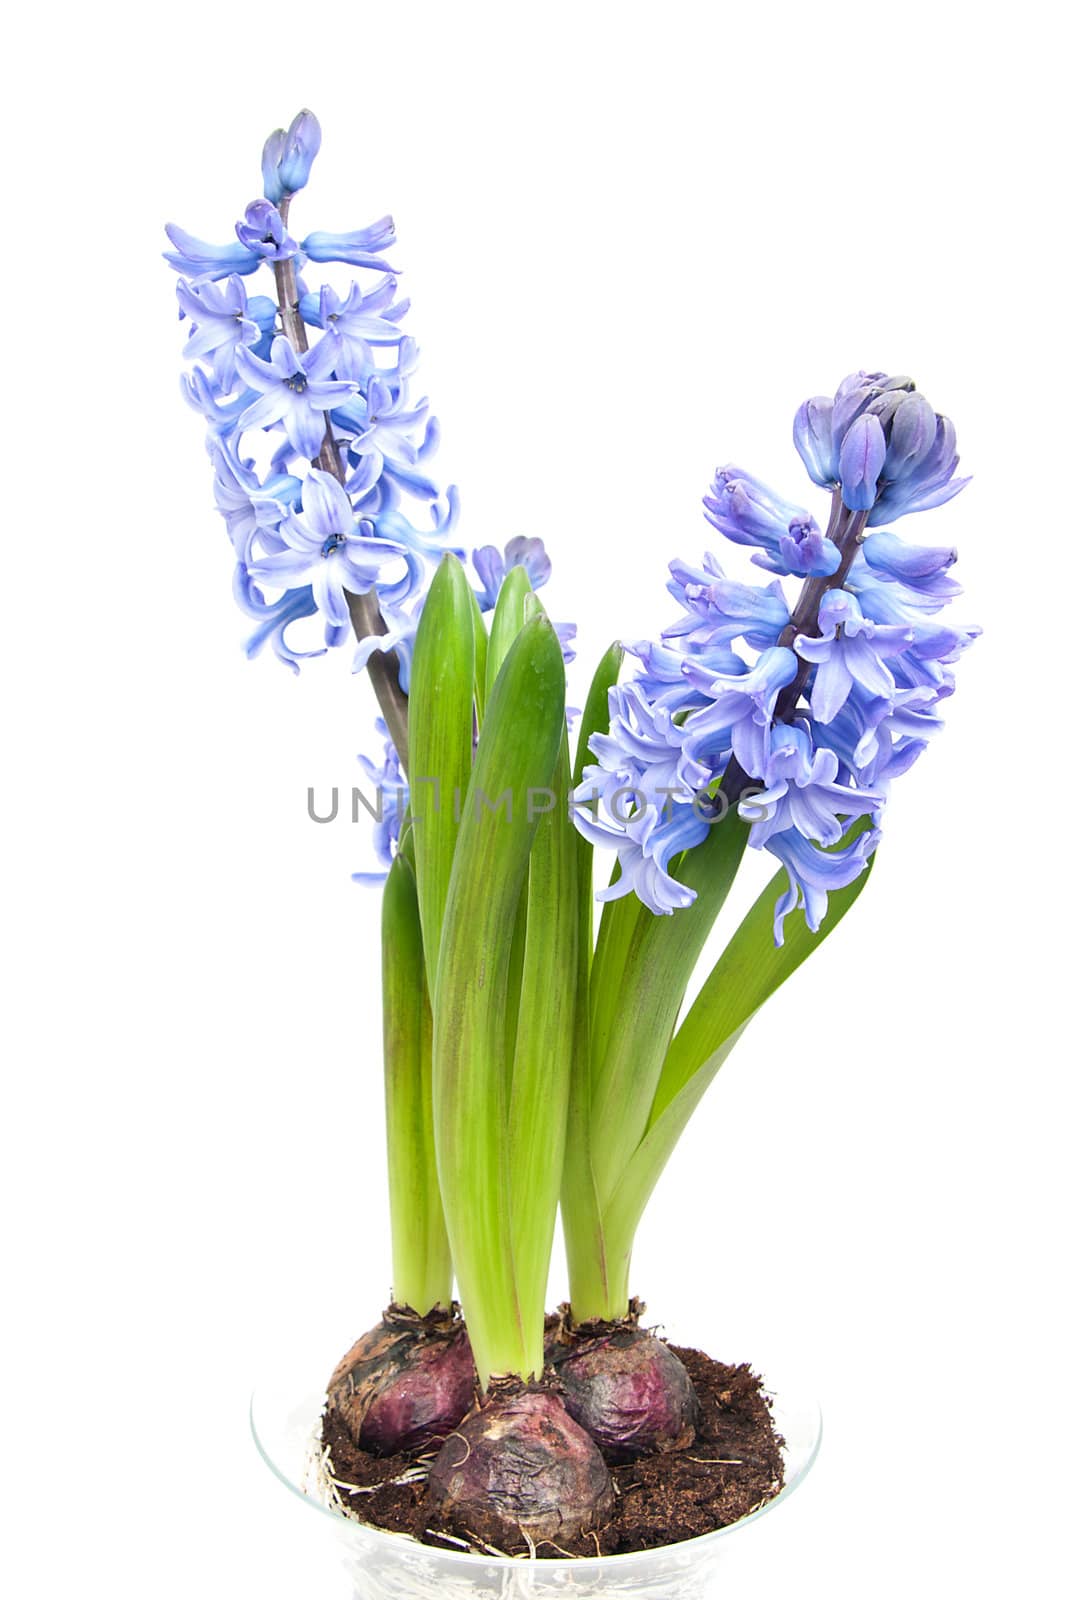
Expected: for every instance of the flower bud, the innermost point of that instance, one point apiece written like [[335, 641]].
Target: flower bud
[[272, 154], [859, 380], [811, 435], [288, 155], [913, 431], [301, 147], [862, 459], [901, 381], [263, 231], [885, 407], [850, 402]]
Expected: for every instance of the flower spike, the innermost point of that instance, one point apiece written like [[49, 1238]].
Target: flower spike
[[841, 694]]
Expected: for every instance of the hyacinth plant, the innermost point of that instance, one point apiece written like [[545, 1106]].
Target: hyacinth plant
[[536, 1057]]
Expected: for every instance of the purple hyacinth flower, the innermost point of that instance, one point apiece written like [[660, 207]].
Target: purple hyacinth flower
[[814, 444], [295, 390], [264, 233], [389, 427], [920, 568], [356, 323], [718, 611], [927, 481], [288, 155], [358, 248], [273, 617], [218, 312], [389, 523], [641, 794], [401, 626], [566, 633], [854, 394], [850, 650], [786, 537], [203, 394], [642, 872], [803, 552], [911, 436], [741, 710], [493, 567], [861, 461], [323, 548], [910, 716], [390, 801], [646, 749], [197, 260], [665, 684], [251, 510], [802, 791], [814, 873]]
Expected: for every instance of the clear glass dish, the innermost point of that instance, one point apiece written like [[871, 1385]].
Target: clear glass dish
[[388, 1566]]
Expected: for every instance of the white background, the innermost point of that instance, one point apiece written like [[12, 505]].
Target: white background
[[635, 238]]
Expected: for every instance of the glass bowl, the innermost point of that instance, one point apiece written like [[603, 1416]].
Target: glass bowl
[[391, 1566]]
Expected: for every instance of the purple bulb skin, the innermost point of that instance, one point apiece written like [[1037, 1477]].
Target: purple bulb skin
[[520, 1469], [629, 1393], [404, 1385]]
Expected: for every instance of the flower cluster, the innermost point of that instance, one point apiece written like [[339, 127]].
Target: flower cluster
[[318, 450], [800, 712]]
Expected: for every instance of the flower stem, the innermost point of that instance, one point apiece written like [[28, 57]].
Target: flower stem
[[367, 620], [845, 530], [583, 1223]]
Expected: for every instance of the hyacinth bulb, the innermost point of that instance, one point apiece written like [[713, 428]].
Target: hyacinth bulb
[[404, 1385], [519, 1469], [628, 1391]]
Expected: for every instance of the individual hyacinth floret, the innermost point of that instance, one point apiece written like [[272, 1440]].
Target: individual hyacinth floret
[[801, 710]]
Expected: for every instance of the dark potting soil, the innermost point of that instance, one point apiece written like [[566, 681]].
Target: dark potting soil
[[734, 1465]]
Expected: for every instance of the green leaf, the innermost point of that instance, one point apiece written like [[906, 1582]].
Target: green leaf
[[509, 618], [582, 1223], [747, 973], [517, 753], [544, 1049], [595, 719], [441, 741], [481, 652], [422, 1262], [510, 615], [652, 979], [515, 966], [610, 971]]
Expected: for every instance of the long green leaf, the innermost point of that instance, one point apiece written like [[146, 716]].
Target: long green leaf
[[509, 618], [595, 719], [422, 1263], [481, 652], [582, 1222], [515, 966], [544, 1050], [747, 973], [441, 741], [517, 753], [659, 963], [610, 971]]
